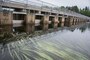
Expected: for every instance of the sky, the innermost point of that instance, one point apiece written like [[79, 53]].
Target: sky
[[79, 3]]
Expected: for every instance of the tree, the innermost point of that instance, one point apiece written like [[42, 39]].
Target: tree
[[86, 8], [85, 11], [62, 7], [73, 8]]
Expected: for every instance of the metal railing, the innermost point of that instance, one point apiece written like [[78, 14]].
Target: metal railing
[[44, 5]]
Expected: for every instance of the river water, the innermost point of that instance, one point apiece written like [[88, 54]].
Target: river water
[[65, 44]]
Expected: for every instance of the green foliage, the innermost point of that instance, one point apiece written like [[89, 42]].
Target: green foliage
[[85, 11], [73, 8]]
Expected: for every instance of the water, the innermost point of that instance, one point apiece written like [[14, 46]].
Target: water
[[66, 44]]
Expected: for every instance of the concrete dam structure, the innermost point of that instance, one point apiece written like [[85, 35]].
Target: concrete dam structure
[[36, 16]]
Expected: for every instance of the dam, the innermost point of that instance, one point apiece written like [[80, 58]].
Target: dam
[[36, 16], [31, 30]]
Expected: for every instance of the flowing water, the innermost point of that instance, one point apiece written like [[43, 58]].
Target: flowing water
[[66, 44]]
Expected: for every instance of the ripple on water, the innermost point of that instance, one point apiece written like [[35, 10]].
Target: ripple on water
[[61, 45]]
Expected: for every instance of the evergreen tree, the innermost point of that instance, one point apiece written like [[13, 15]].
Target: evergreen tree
[[84, 11]]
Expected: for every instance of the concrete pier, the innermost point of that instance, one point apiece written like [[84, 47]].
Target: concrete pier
[[6, 22], [46, 22], [30, 23], [34, 18], [56, 22], [6, 18], [62, 21]]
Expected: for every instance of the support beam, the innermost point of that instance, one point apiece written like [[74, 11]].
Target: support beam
[[62, 22], [45, 22], [67, 21], [70, 18], [56, 22], [51, 19], [6, 18], [59, 19], [30, 23], [77, 21], [74, 21], [6, 21]]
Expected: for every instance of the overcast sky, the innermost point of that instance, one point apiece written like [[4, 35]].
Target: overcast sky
[[79, 3]]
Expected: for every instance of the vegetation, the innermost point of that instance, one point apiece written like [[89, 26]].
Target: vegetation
[[85, 11]]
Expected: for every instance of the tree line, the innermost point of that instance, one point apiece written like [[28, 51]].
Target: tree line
[[85, 11]]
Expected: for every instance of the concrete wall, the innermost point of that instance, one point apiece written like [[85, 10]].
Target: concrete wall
[[46, 22], [56, 22], [6, 22], [6, 18], [30, 22], [62, 22]]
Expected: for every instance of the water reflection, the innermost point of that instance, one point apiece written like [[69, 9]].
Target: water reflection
[[66, 44]]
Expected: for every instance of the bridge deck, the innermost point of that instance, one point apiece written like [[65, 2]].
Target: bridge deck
[[13, 4], [39, 7]]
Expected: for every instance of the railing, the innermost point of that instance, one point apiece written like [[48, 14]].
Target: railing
[[44, 5]]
